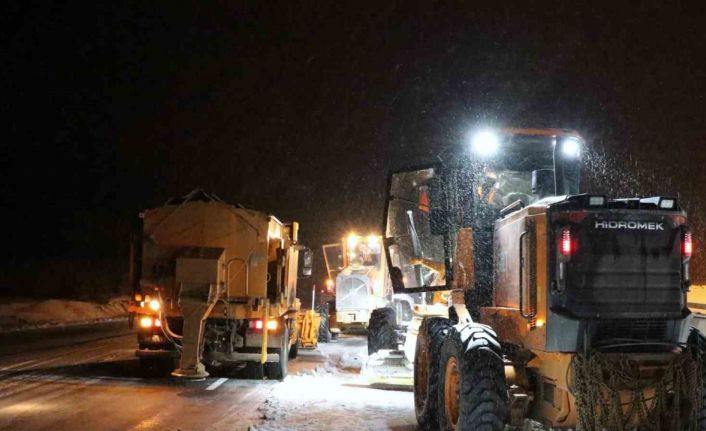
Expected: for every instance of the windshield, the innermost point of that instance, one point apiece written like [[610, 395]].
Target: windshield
[[508, 177], [417, 253], [424, 202], [362, 251], [508, 187], [333, 257]]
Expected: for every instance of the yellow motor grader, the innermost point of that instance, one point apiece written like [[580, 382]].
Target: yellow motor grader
[[215, 284], [568, 308], [357, 271]]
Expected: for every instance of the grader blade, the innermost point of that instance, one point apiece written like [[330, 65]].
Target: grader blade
[[388, 368]]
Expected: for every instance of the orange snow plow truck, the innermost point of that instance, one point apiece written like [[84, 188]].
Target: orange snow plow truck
[[215, 285]]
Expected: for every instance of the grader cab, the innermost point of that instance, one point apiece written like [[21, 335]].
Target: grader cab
[[566, 308], [358, 272]]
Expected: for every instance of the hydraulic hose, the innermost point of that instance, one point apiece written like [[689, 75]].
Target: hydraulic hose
[[168, 334]]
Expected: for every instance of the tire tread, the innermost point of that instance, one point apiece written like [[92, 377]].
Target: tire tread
[[483, 403], [381, 330], [435, 329]]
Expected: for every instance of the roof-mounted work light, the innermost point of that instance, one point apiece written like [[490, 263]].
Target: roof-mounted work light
[[485, 143], [352, 240], [667, 203], [570, 148], [596, 201]]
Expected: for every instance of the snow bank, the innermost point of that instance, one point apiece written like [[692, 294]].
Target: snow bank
[[27, 314]]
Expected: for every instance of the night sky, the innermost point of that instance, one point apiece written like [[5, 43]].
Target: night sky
[[300, 110]]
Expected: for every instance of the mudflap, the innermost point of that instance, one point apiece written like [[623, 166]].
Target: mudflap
[[388, 368]]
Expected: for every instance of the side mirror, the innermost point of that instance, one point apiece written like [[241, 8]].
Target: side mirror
[[543, 183], [306, 263]]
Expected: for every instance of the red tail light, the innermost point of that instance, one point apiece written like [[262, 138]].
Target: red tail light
[[567, 247], [258, 324], [687, 246]]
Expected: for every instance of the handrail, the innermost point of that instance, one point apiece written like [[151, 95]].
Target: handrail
[[512, 207], [521, 273]]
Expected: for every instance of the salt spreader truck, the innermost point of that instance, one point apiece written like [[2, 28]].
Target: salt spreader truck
[[232, 271]]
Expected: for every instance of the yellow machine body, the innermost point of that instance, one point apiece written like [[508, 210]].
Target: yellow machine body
[[247, 260], [549, 264], [357, 270], [308, 322], [519, 316]]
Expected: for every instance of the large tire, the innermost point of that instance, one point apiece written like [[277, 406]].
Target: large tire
[[472, 394], [381, 330], [697, 342], [294, 350], [278, 370], [431, 336], [324, 330]]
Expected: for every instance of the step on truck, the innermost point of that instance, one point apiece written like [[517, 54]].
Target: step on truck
[[568, 308], [215, 286]]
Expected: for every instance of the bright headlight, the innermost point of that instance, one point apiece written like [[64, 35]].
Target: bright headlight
[[570, 147], [352, 240], [146, 322], [155, 305], [485, 143]]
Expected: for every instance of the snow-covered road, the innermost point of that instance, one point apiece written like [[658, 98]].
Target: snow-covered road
[[97, 384], [333, 396]]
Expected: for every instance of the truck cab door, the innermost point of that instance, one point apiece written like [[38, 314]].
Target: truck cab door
[[415, 235], [333, 257]]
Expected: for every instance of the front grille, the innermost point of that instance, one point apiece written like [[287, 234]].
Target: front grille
[[352, 292], [632, 329]]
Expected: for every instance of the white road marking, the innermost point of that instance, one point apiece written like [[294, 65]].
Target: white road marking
[[54, 357], [216, 384], [19, 364], [26, 383]]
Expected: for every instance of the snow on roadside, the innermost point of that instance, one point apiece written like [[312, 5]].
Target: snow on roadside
[[55, 312], [333, 397]]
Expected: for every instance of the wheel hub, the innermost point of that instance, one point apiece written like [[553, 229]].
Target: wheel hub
[[421, 371], [452, 386]]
